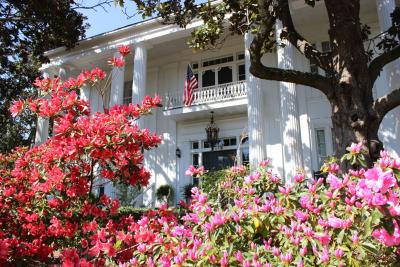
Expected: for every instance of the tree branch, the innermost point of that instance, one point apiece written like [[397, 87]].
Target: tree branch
[[386, 103], [290, 33], [99, 4], [376, 65], [264, 41]]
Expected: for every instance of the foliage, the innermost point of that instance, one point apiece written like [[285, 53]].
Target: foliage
[[350, 221], [46, 205], [165, 193], [187, 191], [126, 193], [136, 213], [27, 30]]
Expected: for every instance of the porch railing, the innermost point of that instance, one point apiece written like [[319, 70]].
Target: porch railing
[[222, 92]]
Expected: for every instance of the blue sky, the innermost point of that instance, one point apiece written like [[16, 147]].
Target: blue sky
[[112, 17]]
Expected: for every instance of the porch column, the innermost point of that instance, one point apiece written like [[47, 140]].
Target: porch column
[[139, 76], [42, 125], [391, 123], [290, 123], [255, 111], [139, 73], [117, 84]]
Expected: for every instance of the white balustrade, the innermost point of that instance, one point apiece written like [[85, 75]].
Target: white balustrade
[[222, 92]]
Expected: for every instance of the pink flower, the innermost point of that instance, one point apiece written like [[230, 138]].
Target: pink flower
[[218, 219], [355, 238], [355, 148], [325, 255], [335, 222], [287, 258], [239, 256], [334, 181], [299, 177], [302, 216], [303, 251], [193, 171], [224, 260], [339, 253]]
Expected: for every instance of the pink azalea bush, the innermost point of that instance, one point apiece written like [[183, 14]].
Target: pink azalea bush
[[348, 219]]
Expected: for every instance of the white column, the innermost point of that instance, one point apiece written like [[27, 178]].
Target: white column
[[139, 73], [390, 127], [290, 124], [42, 125], [255, 111], [117, 84]]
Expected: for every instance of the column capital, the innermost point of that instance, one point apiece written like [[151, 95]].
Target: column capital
[[143, 45]]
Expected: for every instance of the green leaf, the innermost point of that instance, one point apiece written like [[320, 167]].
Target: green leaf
[[340, 236]]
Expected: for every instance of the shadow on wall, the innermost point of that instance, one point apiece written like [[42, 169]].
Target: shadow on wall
[[389, 132]]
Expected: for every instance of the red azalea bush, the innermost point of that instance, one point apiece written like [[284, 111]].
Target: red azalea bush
[[46, 205], [48, 214]]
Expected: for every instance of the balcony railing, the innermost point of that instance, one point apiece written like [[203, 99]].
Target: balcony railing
[[211, 94]]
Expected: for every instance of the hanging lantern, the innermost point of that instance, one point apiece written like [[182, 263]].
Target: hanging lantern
[[212, 132]]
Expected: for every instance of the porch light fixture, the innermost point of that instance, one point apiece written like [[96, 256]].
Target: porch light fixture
[[178, 153], [212, 132]]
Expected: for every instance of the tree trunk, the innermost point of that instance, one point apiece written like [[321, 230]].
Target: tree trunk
[[352, 115], [349, 128]]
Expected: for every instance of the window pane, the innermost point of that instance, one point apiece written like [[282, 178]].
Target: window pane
[[218, 160], [245, 156], [321, 145], [195, 145], [127, 92], [195, 160], [241, 72], [225, 75], [208, 78]]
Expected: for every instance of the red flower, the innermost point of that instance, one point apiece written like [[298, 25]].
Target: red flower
[[17, 108], [124, 50], [116, 62]]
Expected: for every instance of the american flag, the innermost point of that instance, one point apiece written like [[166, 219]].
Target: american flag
[[190, 86]]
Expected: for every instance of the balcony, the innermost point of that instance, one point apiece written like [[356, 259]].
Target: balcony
[[208, 95]]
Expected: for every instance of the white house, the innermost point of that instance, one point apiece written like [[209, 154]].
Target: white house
[[257, 119]]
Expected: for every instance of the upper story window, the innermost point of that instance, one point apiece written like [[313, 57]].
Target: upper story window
[[221, 70]]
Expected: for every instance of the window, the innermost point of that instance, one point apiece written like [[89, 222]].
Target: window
[[217, 61], [241, 72], [240, 56], [208, 77], [127, 92], [245, 151], [195, 145], [227, 69], [321, 145], [195, 163], [225, 75], [218, 160]]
